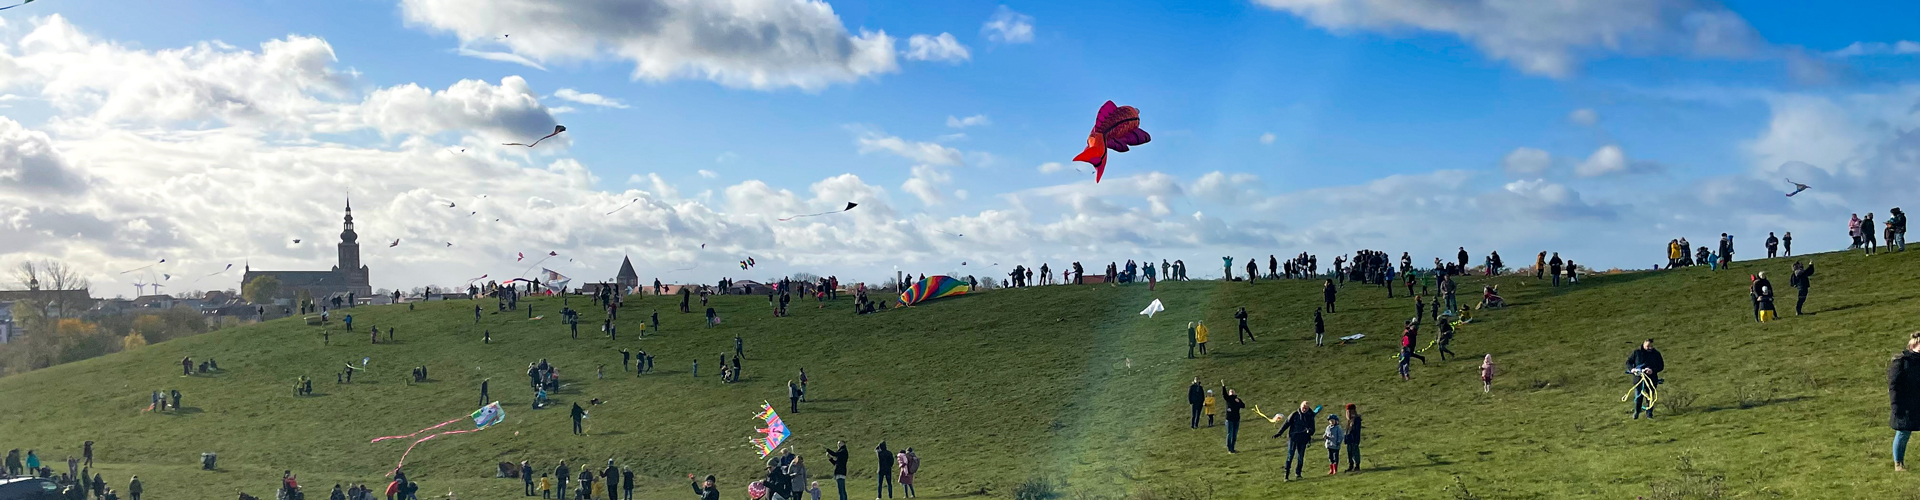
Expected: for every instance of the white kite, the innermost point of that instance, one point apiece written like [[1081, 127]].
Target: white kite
[[1153, 308]]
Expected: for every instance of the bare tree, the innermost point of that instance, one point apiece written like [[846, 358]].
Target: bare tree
[[27, 273], [60, 276]]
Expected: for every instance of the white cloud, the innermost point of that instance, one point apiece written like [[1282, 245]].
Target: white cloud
[[1007, 26], [1267, 138], [759, 44], [971, 121], [1902, 47], [922, 152], [1609, 159], [937, 48], [1548, 37], [589, 99], [506, 57], [956, 136], [709, 174], [30, 165], [1526, 161], [1584, 116], [1051, 167]]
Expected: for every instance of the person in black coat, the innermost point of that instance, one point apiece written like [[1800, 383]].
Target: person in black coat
[[612, 476], [838, 457], [1234, 404], [706, 490], [578, 414], [1645, 360], [1903, 388], [886, 471], [1245, 334], [1800, 280], [1328, 293], [1763, 297], [1299, 431], [1196, 395]]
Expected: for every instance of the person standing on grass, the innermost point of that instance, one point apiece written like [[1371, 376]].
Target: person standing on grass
[[1486, 374], [885, 481], [1801, 279], [905, 463], [134, 488], [1200, 336], [1234, 405], [578, 414], [793, 396], [1763, 298], [1352, 438], [526, 477], [1319, 330], [707, 490], [1196, 395], [1867, 240], [1446, 338], [86, 452], [1334, 439], [626, 482], [1327, 292], [1298, 427], [1645, 361], [838, 457], [1244, 333], [1554, 266], [483, 391], [1903, 388]]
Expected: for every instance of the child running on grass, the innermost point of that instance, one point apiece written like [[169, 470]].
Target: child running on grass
[[1486, 374]]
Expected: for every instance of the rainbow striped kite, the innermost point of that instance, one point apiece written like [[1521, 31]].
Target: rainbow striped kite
[[932, 288], [773, 435]]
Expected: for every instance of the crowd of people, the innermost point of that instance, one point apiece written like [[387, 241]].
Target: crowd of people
[[78, 482]]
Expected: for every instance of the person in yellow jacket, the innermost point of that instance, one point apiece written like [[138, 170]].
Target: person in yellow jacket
[[546, 486], [1200, 337], [1207, 407]]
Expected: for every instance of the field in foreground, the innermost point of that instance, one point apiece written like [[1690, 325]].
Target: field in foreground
[[999, 388]]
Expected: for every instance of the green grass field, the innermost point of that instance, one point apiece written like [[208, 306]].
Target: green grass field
[[1064, 382]]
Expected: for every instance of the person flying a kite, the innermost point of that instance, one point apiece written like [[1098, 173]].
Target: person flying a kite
[[557, 129], [1797, 187], [1116, 128]]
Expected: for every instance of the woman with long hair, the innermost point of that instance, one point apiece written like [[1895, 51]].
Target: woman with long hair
[[1353, 438]]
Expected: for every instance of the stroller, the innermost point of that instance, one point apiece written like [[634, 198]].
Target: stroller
[[207, 460]]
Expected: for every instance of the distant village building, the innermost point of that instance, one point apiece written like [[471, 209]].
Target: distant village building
[[349, 276], [627, 279]]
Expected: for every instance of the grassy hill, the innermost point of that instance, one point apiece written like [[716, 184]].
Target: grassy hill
[[1067, 382]]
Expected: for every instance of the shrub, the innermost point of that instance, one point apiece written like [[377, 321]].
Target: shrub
[[1039, 488]]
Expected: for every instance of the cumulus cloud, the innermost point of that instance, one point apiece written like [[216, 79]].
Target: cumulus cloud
[[1548, 38], [971, 121], [1007, 26], [508, 110], [30, 165], [1526, 161], [709, 174], [1268, 138], [760, 44], [923, 152], [589, 99], [1611, 160], [926, 184], [1051, 167], [937, 48], [1583, 116]]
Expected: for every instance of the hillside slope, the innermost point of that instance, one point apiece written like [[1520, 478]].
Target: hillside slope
[[1067, 382]]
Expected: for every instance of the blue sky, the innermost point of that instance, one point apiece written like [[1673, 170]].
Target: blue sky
[[1332, 126]]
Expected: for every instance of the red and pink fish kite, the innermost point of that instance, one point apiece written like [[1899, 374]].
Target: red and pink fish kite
[[1116, 128]]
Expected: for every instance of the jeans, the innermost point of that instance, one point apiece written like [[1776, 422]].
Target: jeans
[[1900, 446], [1296, 446], [1196, 418], [1233, 434], [842, 482], [1333, 455], [906, 489], [529, 483], [1245, 333], [1900, 239], [576, 426], [1452, 305], [1801, 302], [1353, 456], [886, 482]]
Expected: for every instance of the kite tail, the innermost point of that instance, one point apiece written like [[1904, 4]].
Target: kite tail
[[415, 433], [403, 455]]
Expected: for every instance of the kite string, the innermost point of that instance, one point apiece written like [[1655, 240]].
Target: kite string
[[403, 455], [416, 433]]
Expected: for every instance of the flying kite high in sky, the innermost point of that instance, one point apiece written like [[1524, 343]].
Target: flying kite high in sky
[[162, 261], [16, 5], [773, 435], [1115, 128], [557, 129], [482, 418], [396, 242], [624, 207], [296, 241], [1797, 187], [850, 206]]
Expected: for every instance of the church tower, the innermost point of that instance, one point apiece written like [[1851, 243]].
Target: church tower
[[350, 269]]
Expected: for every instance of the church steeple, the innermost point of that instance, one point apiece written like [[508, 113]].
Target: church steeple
[[346, 234]]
